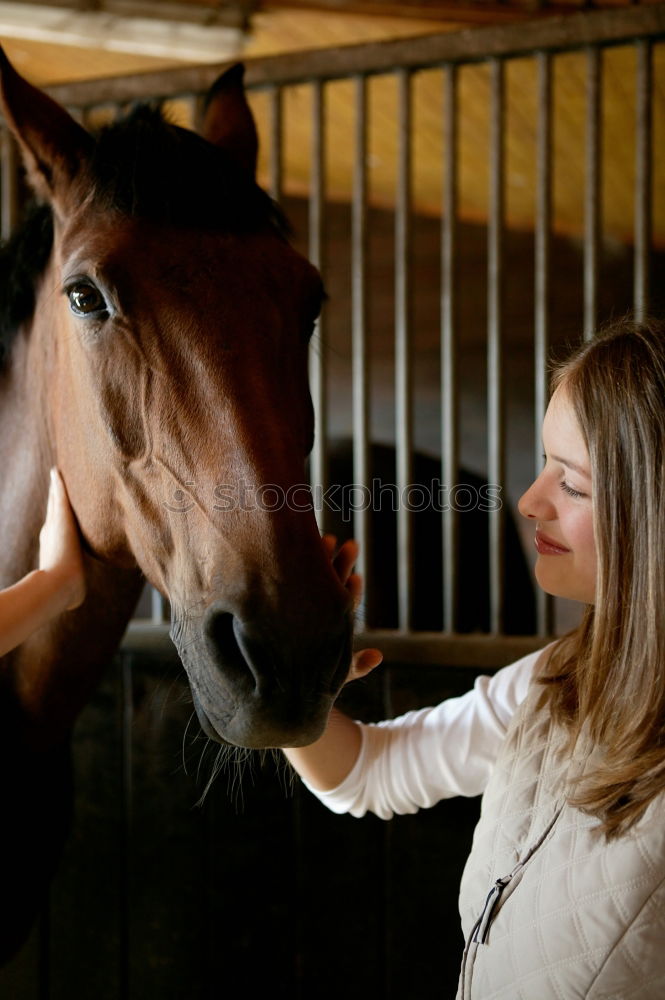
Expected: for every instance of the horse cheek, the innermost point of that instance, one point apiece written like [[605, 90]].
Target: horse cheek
[[85, 453]]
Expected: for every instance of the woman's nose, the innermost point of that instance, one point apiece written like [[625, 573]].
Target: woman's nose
[[535, 504]]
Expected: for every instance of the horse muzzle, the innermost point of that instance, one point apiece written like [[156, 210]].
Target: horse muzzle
[[259, 685]]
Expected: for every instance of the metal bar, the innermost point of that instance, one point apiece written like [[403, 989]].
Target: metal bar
[[153, 645], [592, 192], [86, 118], [276, 130], [544, 606], [9, 203], [449, 392], [603, 27], [156, 606], [360, 350], [44, 945], [126, 834], [495, 404], [317, 366], [403, 360], [449, 650], [197, 112], [643, 177]]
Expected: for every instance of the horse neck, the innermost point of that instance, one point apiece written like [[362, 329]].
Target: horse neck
[[54, 672]]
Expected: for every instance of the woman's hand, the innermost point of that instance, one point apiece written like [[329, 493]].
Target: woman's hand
[[343, 561], [58, 584], [59, 546], [327, 762]]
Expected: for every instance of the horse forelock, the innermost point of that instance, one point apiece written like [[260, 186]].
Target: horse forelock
[[145, 167]]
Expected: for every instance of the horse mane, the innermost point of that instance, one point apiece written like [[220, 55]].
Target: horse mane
[[145, 167], [22, 259]]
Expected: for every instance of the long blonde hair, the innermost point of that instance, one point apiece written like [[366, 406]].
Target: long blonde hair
[[608, 676]]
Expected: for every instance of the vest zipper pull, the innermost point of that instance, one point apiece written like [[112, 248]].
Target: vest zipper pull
[[483, 925]]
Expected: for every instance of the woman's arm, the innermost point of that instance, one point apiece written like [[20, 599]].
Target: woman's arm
[[429, 754], [58, 584], [409, 763], [325, 764]]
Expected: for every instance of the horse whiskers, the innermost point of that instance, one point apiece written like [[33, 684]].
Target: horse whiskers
[[184, 741], [287, 775], [240, 762], [181, 695], [235, 759]]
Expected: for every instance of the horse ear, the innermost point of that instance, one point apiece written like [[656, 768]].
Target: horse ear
[[228, 121], [54, 147]]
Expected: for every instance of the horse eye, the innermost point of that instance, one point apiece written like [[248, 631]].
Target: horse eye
[[85, 299]]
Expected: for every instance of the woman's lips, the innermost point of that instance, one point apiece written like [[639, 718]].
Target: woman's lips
[[547, 546]]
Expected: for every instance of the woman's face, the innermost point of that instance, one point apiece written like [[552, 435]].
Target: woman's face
[[560, 503]]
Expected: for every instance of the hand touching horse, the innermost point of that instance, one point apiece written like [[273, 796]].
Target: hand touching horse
[[155, 326]]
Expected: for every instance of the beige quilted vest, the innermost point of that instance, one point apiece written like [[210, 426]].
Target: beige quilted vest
[[550, 910]]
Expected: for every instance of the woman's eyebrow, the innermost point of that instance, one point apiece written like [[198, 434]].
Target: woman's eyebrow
[[571, 465]]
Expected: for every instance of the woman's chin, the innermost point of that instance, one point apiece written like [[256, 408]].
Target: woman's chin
[[563, 588]]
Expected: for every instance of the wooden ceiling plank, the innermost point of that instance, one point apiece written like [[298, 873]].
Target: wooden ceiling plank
[[201, 12], [471, 12], [603, 27], [118, 33]]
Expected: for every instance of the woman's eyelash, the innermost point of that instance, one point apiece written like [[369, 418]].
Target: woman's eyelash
[[569, 490], [576, 494]]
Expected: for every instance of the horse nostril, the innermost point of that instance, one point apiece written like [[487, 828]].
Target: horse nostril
[[221, 629], [218, 628], [251, 679]]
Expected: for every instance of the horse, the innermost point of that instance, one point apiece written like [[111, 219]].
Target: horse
[[155, 323]]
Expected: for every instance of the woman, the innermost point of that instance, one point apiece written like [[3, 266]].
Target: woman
[[563, 894], [59, 583]]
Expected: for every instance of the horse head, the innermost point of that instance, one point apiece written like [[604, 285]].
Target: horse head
[[172, 324]]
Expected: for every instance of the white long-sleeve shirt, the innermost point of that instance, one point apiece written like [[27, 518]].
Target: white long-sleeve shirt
[[414, 761]]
